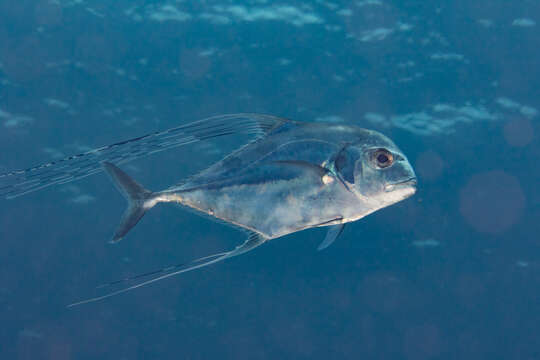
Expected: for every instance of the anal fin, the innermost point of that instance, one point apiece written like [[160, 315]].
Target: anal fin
[[251, 243]]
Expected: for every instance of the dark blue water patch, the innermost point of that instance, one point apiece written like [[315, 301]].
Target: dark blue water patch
[[424, 279]]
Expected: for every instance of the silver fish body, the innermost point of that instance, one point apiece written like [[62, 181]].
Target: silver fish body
[[292, 176], [288, 180]]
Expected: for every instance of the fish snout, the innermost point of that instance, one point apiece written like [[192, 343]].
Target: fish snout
[[409, 183]]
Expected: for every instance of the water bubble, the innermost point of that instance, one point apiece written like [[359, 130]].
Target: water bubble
[[492, 202], [429, 165], [518, 132]]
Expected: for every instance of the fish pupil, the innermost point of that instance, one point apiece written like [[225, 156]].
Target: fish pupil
[[382, 158]]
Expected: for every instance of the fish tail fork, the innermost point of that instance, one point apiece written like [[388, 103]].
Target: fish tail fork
[[139, 199]]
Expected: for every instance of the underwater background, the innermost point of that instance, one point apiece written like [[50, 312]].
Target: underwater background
[[451, 273]]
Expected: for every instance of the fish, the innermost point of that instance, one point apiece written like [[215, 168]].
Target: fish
[[291, 176]]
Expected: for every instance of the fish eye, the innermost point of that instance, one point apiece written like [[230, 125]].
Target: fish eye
[[382, 158]]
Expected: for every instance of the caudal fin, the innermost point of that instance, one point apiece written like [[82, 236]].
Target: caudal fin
[[139, 200]]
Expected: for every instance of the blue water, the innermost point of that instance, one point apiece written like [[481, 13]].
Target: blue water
[[451, 273]]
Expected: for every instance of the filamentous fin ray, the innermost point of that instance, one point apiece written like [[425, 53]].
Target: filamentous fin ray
[[163, 270], [251, 242], [20, 182]]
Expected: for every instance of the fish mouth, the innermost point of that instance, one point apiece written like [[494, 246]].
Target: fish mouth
[[407, 183]]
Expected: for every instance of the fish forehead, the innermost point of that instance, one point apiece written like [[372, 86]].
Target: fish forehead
[[333, 133], [300, 141], [304, 140], [337, 134]]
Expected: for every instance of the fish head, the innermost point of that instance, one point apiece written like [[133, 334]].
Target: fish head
[[375, 170]]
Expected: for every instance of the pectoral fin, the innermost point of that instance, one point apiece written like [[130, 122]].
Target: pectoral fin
[[333, 233], [317, 169]]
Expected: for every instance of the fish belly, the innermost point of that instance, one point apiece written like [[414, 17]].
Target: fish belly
[[272, 210]]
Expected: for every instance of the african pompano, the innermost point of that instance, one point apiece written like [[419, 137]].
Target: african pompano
[[292, 176]]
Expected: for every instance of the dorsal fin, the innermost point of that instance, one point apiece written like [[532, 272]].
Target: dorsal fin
[[20, 182]]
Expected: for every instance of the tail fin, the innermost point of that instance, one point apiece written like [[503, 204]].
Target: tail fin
[[139, 200]]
